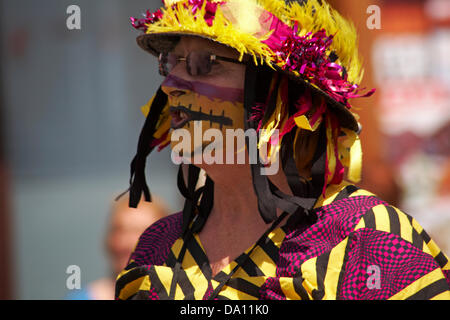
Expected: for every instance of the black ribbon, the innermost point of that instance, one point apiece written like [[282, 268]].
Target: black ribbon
[[195, 212], [247, 256], [194, 207], [138, 183], [269, 196]]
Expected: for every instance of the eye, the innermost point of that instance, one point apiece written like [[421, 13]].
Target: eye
[[216, 67], [172, 60]]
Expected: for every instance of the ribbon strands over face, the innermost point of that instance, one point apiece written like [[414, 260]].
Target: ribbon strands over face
[[138, 184]]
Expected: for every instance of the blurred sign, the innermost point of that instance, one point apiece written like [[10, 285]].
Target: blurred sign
[[438, 9], [414, 92], [412, 72]]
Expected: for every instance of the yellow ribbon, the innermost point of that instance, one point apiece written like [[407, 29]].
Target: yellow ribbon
[[164, 119], [354, 156], [330, 152], [303, 123]]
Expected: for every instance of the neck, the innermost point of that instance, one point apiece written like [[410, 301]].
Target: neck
[[235, 201], [234, 223], [234, 198]]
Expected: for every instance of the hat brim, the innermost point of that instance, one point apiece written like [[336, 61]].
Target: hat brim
[[155, 43]]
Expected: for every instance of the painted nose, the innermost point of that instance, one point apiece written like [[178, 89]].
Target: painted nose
[[176, 87], [177, 93]]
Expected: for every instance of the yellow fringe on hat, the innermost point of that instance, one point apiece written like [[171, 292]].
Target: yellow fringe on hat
[[316, 15], [312, 16], [179, 19]]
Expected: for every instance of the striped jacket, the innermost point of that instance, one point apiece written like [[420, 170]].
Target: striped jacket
[[359, 248]]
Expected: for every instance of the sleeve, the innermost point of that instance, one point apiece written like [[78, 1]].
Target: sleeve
[[390, 256], [151, 250]]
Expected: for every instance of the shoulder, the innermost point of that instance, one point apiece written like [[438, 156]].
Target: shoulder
[[389, 221], [162, 228], [154, 244], [346, 203], [392, 245], [373, 218], [338, 212], [363, 248], [342, 207], [344, 191]]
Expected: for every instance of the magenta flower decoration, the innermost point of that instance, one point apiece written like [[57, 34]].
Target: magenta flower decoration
[[149, 18]]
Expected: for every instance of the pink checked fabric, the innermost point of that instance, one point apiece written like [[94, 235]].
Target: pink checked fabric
[[400, 263]]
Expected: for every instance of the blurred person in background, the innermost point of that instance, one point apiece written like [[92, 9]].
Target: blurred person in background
[[125, 225]]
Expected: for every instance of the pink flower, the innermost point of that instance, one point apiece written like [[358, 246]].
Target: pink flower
[[149, 18]]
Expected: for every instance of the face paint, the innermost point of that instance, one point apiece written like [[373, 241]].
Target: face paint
[[189, 115], [204, 89], [215, 107]]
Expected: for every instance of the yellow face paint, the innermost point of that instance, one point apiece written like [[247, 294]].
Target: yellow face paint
[[203, 111]]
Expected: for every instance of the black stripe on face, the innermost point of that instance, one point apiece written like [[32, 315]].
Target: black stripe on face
[[201, 116]]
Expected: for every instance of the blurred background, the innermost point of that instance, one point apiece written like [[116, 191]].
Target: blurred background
[[70, 119]]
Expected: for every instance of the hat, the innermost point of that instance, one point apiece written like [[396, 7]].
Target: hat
[[307, 42]]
